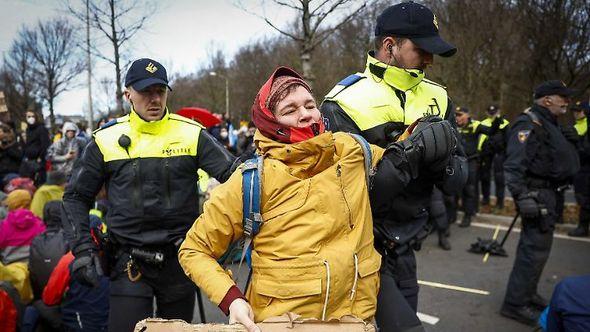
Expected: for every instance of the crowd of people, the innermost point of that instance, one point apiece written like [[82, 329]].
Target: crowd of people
[[326, 202]]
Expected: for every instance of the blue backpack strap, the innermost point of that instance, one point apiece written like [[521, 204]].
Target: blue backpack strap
[[368, 154], [251, 192]]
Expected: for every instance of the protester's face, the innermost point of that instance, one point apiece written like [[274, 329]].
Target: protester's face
[[298, 109], [461, 119], [70, 134], [409, 56], [30, 117], [556, 104], [149, 103]]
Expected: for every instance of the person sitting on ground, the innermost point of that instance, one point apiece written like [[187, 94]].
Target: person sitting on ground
[[46, 250], [52, 190], [63, 153], [82, 308], [17, 232], [314, 254], [20, 183], [569, 309]]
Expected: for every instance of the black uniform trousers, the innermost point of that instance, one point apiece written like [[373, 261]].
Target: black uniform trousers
[[469, 195], [132, 301], [397, 301], [582, 191], [488, 164], [438, 212], [532, 252]]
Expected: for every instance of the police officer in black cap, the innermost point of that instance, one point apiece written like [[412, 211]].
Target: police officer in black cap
[[492, 152], [580, 137], [148, 161], [539, 161], [470, 131], [380, 104]]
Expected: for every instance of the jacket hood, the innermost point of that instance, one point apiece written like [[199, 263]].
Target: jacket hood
[[52, 214], [69, 126], [267, 123], [23, 219], [305, 159]]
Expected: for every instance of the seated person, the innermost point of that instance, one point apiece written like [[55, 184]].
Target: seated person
[[314, 254], [17, 232]]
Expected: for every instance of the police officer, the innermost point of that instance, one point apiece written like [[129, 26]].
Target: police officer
[[469, 133], [582, 179], [439, 218], [380, 104], [492, 152], [539, 159], [148, 161]]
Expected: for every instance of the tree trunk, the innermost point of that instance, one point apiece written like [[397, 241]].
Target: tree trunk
[[115, 40], [306, 67], [51, 114]]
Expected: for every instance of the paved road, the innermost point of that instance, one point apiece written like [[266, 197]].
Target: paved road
[[460, 311]]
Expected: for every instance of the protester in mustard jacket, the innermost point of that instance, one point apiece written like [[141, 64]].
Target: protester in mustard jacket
[[314, 254]]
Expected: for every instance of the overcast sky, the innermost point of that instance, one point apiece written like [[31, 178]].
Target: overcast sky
[[178, 35]]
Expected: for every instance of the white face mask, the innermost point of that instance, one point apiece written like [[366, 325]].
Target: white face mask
[[31, 121], [223, 134]]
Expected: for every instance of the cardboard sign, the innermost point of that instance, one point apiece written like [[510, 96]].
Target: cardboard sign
[[286, 322]]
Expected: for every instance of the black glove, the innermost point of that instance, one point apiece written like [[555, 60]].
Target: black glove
[[570, 133], [433, 141], [86, 268], [527, 206]]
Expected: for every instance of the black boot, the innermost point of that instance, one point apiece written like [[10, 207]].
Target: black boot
[[524, 314], [466, 222], [580, 231], [443, 241], [538, 302]]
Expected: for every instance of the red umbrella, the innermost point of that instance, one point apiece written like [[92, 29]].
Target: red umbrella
[[200, 115]]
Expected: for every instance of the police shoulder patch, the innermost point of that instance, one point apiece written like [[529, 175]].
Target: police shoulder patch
[[523, 135], [350, 80]]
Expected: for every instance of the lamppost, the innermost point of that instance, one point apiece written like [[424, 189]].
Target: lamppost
[[212, 73]]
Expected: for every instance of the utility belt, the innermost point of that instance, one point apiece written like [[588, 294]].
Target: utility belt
[[138, 259], [396, 246], [539, 183]]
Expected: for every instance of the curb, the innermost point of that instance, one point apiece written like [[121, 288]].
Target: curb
[[494, 219]]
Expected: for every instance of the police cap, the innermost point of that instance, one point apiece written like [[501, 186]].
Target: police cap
[[553, 87], [493, 109], [461, 110], [144, 73], [580, 106], [415, 22]]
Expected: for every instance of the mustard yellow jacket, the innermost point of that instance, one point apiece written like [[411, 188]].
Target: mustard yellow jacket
[[314, 254]]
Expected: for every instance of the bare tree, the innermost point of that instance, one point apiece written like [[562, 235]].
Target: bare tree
[[56, 61], [558, 35], [18, 81], [312, 28], [118, 21]]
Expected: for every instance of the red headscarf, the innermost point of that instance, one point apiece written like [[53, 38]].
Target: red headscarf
[[269, 96]]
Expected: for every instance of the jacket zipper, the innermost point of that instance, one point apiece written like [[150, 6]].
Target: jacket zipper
[[167, 183], [339, 175], [136, 184]]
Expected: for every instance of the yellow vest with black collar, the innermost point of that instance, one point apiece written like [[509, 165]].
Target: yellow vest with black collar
[[152, 181], [386, 96]]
